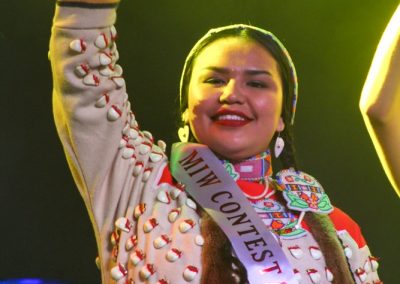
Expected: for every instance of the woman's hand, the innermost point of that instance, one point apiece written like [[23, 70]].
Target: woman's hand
[[380, 100]]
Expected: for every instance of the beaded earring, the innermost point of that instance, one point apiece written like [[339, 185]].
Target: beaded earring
[[279, 145], [183, 132]]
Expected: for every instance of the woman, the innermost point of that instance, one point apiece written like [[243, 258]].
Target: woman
[[238, 97], [380, 101]]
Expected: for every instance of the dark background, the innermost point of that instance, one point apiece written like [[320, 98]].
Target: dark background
[[45, 230]]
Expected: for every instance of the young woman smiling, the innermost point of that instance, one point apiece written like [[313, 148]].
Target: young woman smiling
[[235, 98], [154, 221]]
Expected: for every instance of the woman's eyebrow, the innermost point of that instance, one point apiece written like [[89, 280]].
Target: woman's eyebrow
[[221, 70], [224, 70], [258, 72]]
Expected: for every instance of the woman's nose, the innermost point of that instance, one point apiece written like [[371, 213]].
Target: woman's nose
[[232, 93]]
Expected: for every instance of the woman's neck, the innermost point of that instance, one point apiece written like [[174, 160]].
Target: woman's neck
[[256, 168]]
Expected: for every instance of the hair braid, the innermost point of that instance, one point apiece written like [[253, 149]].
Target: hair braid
[[218, 262], [288, 156], [325, 234], [320, 225]]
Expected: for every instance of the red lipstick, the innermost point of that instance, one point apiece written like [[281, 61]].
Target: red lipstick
[[230, 118]]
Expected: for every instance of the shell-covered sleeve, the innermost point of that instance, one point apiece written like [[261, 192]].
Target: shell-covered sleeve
[[98, 130], [89, 98], [362, 263], [147, 230]]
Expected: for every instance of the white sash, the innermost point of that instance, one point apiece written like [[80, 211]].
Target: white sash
[[211, 186]]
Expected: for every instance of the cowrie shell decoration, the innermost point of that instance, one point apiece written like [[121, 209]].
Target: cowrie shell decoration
[[315, 253], [105, 59], [114, 113], [190, 273], [348, 252], [147, 271], [118, 70], [161, 241], [118, 271], [150, 225], [137, 256], [296, 251], [297, 275], [162, 145], [329, 275], [119, 81], [163, 197], [113, 32], [101, 41], [91, 80], [314, 275], [131, 243], [190, 203], [82, 70], [103, 101], [155, 157], [199, 240], [123, 224], [174, 214], [186, 225], [173, 255], [374, 263], [139, 210], [146, 174], [361, 273], [78, 45], [107, 71], [114, 238]]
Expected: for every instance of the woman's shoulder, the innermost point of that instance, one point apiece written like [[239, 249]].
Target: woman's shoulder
[[343, 222]]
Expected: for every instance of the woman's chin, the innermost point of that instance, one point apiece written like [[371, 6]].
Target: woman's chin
[[232, 153], [233, 147]]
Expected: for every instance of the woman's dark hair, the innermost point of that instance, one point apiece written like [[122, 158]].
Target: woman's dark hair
[[219, 263]]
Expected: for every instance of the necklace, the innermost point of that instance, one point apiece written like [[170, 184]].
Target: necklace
[[256, 168], [276, 216]]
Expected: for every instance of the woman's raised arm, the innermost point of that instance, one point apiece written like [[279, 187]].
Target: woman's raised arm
[[380, 100], [85, 89], [106, 151]]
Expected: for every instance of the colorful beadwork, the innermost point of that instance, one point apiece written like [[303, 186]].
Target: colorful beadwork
[[303, 192]]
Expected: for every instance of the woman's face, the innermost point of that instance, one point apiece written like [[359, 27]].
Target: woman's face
[[235, 98]]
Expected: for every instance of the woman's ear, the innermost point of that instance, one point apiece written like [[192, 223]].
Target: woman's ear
[[185, 116], [281, 125]]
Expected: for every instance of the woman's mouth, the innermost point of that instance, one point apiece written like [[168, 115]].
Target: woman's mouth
[[230, 118]]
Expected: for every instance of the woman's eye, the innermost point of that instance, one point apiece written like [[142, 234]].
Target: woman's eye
[[257, 84], [214, 81]]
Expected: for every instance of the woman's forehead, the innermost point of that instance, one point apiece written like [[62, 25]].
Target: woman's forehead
[[235, 54]]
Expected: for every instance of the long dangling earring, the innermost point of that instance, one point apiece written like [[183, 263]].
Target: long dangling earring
[[183, 133], [279, 145]]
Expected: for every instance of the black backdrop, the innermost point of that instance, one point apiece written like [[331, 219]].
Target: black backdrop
[[45, 231]]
